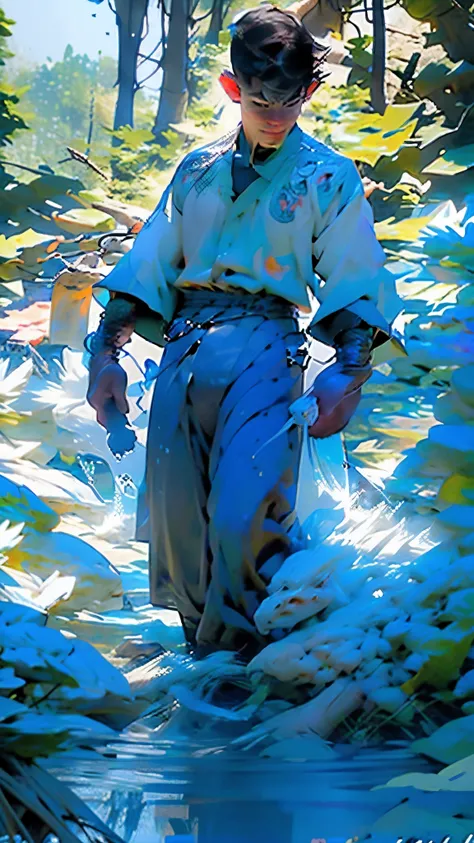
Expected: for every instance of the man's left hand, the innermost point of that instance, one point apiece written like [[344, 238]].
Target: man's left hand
[[336, 399]]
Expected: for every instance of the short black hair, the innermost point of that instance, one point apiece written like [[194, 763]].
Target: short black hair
[[275, 48]]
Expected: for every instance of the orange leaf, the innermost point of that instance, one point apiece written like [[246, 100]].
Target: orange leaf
[[51, 247]]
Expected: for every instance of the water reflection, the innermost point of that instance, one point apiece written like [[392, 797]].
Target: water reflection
[[181, 792]]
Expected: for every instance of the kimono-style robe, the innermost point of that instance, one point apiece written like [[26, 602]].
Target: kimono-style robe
[[221, 280]]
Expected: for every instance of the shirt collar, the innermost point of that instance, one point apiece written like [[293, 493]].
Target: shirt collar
[[269, 168]]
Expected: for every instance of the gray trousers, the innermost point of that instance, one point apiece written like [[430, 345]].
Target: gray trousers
[[220, 509]]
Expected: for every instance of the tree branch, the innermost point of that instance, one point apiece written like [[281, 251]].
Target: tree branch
[[145, 58], [83, 159], [150, 75], [28, 169]]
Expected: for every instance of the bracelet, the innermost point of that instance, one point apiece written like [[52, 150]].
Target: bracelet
[[97, 342], [118, 314]]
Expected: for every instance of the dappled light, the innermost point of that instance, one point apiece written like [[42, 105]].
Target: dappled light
[[357, 688]]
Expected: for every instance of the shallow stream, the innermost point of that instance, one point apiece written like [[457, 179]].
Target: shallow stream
[[175, 791]]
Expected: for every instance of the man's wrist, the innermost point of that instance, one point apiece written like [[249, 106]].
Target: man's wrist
[[354, 350], [116, 326]]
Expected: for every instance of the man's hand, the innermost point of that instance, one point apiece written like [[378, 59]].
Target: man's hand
[[107, 395], [338, 396], [107, 382], [107, 379]]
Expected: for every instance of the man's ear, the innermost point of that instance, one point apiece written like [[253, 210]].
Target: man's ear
[[230, 85], [312, 88]]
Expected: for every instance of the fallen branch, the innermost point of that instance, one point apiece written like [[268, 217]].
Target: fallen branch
[[75, 155], [37, 172], [406, 34]]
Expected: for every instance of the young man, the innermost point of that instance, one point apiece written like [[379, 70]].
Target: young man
[[248, 226]]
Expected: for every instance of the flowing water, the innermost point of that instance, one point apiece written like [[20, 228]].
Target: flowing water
[[178, 791]]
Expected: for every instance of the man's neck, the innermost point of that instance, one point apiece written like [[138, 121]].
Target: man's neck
[[257, 153], [261, 153]]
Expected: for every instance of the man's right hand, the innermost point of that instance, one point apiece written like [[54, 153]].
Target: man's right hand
[[107, 395], [107, 382]]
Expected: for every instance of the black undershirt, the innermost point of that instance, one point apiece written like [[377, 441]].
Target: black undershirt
[[243, 173]]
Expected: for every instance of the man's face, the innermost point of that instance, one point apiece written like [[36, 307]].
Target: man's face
[[267, 124]]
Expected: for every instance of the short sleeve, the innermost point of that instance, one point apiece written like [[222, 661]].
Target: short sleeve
[[349, 263], [149, 271]]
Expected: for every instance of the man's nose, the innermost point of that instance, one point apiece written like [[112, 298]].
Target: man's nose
[[275, 117]]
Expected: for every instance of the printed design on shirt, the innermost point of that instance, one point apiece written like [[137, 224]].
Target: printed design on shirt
[[274, 268], [329, 174], [197, 170], [327, 186], [284, 203]]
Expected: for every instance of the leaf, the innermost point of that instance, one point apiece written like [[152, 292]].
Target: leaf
[[9, 708], [81, 220], [452, 742], [404, 229], [96, 580], [440, 669], [452, 162], [106, 675], [410, 821], [134, 138], [367, 136], [31, 324], [462, 382], [452, 490], [460, 607], [32, 734], [35, 203], [457, 517], [224, 38], [20, 505], [12, 614], [8, 680], [10, 247]]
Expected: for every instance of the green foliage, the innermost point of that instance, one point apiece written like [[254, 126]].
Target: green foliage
[[362, 61], [57, 105], [139, 156], [362, 135], [204, 62], [426, 9], [5, 32], [202, 114], [447, 655], [451, 25], [225, 39], [10, 119], [133, 139], [71, 103], [34, 204], [449, 86]]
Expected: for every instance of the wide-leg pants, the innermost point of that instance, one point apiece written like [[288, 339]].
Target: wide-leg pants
[[219, 507]]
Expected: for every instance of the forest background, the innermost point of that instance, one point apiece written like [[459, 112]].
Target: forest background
[[87, 143], [134, 116]]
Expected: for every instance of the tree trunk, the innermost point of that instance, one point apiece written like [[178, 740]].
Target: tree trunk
[[377, 85], [217, 20], [174, 90], [130, 16]]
